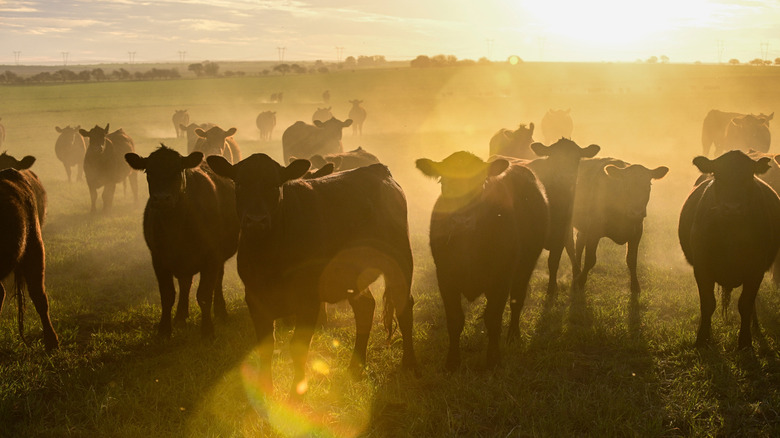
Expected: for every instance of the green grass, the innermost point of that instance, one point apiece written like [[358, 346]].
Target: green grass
[[599, 363]]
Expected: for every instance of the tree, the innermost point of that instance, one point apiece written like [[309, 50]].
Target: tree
[[734, 61], [282, 68], [98, 74], [210, 68], [421, 61], [757, 61], [350, 62], [777, 61], [664, 59], [196, 68], [652, 60]]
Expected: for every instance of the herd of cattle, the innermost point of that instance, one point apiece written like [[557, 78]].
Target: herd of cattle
[[324, 224]]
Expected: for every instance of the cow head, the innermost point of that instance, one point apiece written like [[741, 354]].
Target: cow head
[[333, 126], [9, 162], [356, 103], [259, 181], [165, 174], [462, 175], [733, 176], [630, 188], [213, 140], [523, 135], [96, 136]]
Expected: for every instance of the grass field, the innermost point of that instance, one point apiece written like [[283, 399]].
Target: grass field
[[597, 363]]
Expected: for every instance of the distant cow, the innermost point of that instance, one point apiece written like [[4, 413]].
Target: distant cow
[[21, 243], [748, 132], [190, 227], [358, 114], [266, 121], [345, 160], [277, 97], [192, 137], [611, 201], [217, 141], [104, 163], [322, 114], [304, 242], [487, 230], [515, 143], [713, 130], [70, 149], [729, 231], [557, 124], [180, 118], [326, 96], [303, 140]]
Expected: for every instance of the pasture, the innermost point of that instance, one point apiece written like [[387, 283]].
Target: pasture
[[597, 363]]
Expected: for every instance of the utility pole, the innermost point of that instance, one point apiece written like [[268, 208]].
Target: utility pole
[[339, 53], [720, 51], [490, 42], [17, 54], [65, 58], [182, 56], [131, 56], [281, 50], [764, 51]]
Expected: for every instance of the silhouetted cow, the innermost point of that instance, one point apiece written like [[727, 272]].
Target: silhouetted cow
[[304, 242], [321, 115], [326, 96], [190, 227], [23, 166], [266, 121], [303, 140], [22, 251], [180, 118], [748, 132], [713, 130], [345, 160], [729, 231], [487, 231], [104, 163], [70, 149], [515, 143], [557, 124], [611, 201], [217, 141], [192, 137], [358, 115]]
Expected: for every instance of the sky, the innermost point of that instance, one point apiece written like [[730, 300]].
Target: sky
[[109, 31]]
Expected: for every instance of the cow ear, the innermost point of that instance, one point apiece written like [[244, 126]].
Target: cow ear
[[612, 171], [704, 164], [231, 131], [590, 151], [84, 132], [347, 123], [531, 128], [58, 129], [318, 123], [428, 167], [323, 171], [25, 163], [192, 160], [107, 125], [771, 116], [497, 167], [540, 149], [200, 132], [659, 172], [296, 169], [761, 166], [135, 161], [221, 166]]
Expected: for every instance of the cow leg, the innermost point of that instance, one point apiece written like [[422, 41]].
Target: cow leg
[[517, 297], [494, 310], [220, 307], [167, 298], [569, 246], [706, 287], [93, 198], [553, 261], [579, 247], [108, 196], [747, 307], [591, 245], [183, 308], [264, 329], [405, 315], [80, 171], [632, 253], [305, 320], [363, 305], [67, 171], [33, 271], [205, 296], [726, 302], [455, 322]]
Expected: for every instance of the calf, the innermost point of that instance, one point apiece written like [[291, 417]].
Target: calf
[[70, 149], [266, 121], [513, 143], [358, 114], [180, 118], [302, 140], [729, 231], [192, 137], [611, 201], [487, 230], [104, 163], [304, 242], [216, 141], [190, 227]]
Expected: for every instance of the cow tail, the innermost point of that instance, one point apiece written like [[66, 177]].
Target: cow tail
[[388, 316], [21, 303]]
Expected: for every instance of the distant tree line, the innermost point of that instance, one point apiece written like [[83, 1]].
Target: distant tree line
[[97, 74], [424, 61]]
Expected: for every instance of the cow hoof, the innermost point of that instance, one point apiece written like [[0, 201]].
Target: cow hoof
[[51, 344], [357, 371], [180, 322], [164, 332]]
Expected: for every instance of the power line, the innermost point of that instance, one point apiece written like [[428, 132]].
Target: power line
[[339, 53], [182, 56], [764, 51], [131, 56], [281, 50], [489, 42], [65, 58], [17, 54]]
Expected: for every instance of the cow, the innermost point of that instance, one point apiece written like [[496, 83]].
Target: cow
[[104, 163], [304, 242], [266, 121], [771, 177], [358, 114], [303, 140], [748, 132], [557, 124], [217, 141], [22, 251], [277, 97], [70, 149], [488, 228], [180, 118], [192, 137], [729, 231], [513, 143], [326, 97], [322, 114], [713, 130], [611, 201], [190, 226], [345, 160]]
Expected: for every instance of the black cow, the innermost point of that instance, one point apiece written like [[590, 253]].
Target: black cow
[[70, 149], [302, 140], [345, 160], [358, 114], [266, 121], [487, 230], [217, 141], [729, 231], [104, 163], [513, 143], [321, 115], [180, 118], [304, 242], [190, 227]]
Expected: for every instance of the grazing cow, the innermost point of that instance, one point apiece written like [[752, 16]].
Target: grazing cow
[[611, 201], [266, 121], [216, 141], [303, 140], [557, 124], [345, 160], [22, 251], [487, 230], [358, 114], [322, 114], [180, 118], [729, 231], [192, 137], [70, 148], [104, 163], [303, 242], [326, 97], [2, 134], [713, 130], [748, 132], [190, 227], [515, 143]]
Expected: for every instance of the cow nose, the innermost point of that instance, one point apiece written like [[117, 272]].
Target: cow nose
[[257, 222], [162, 198]]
